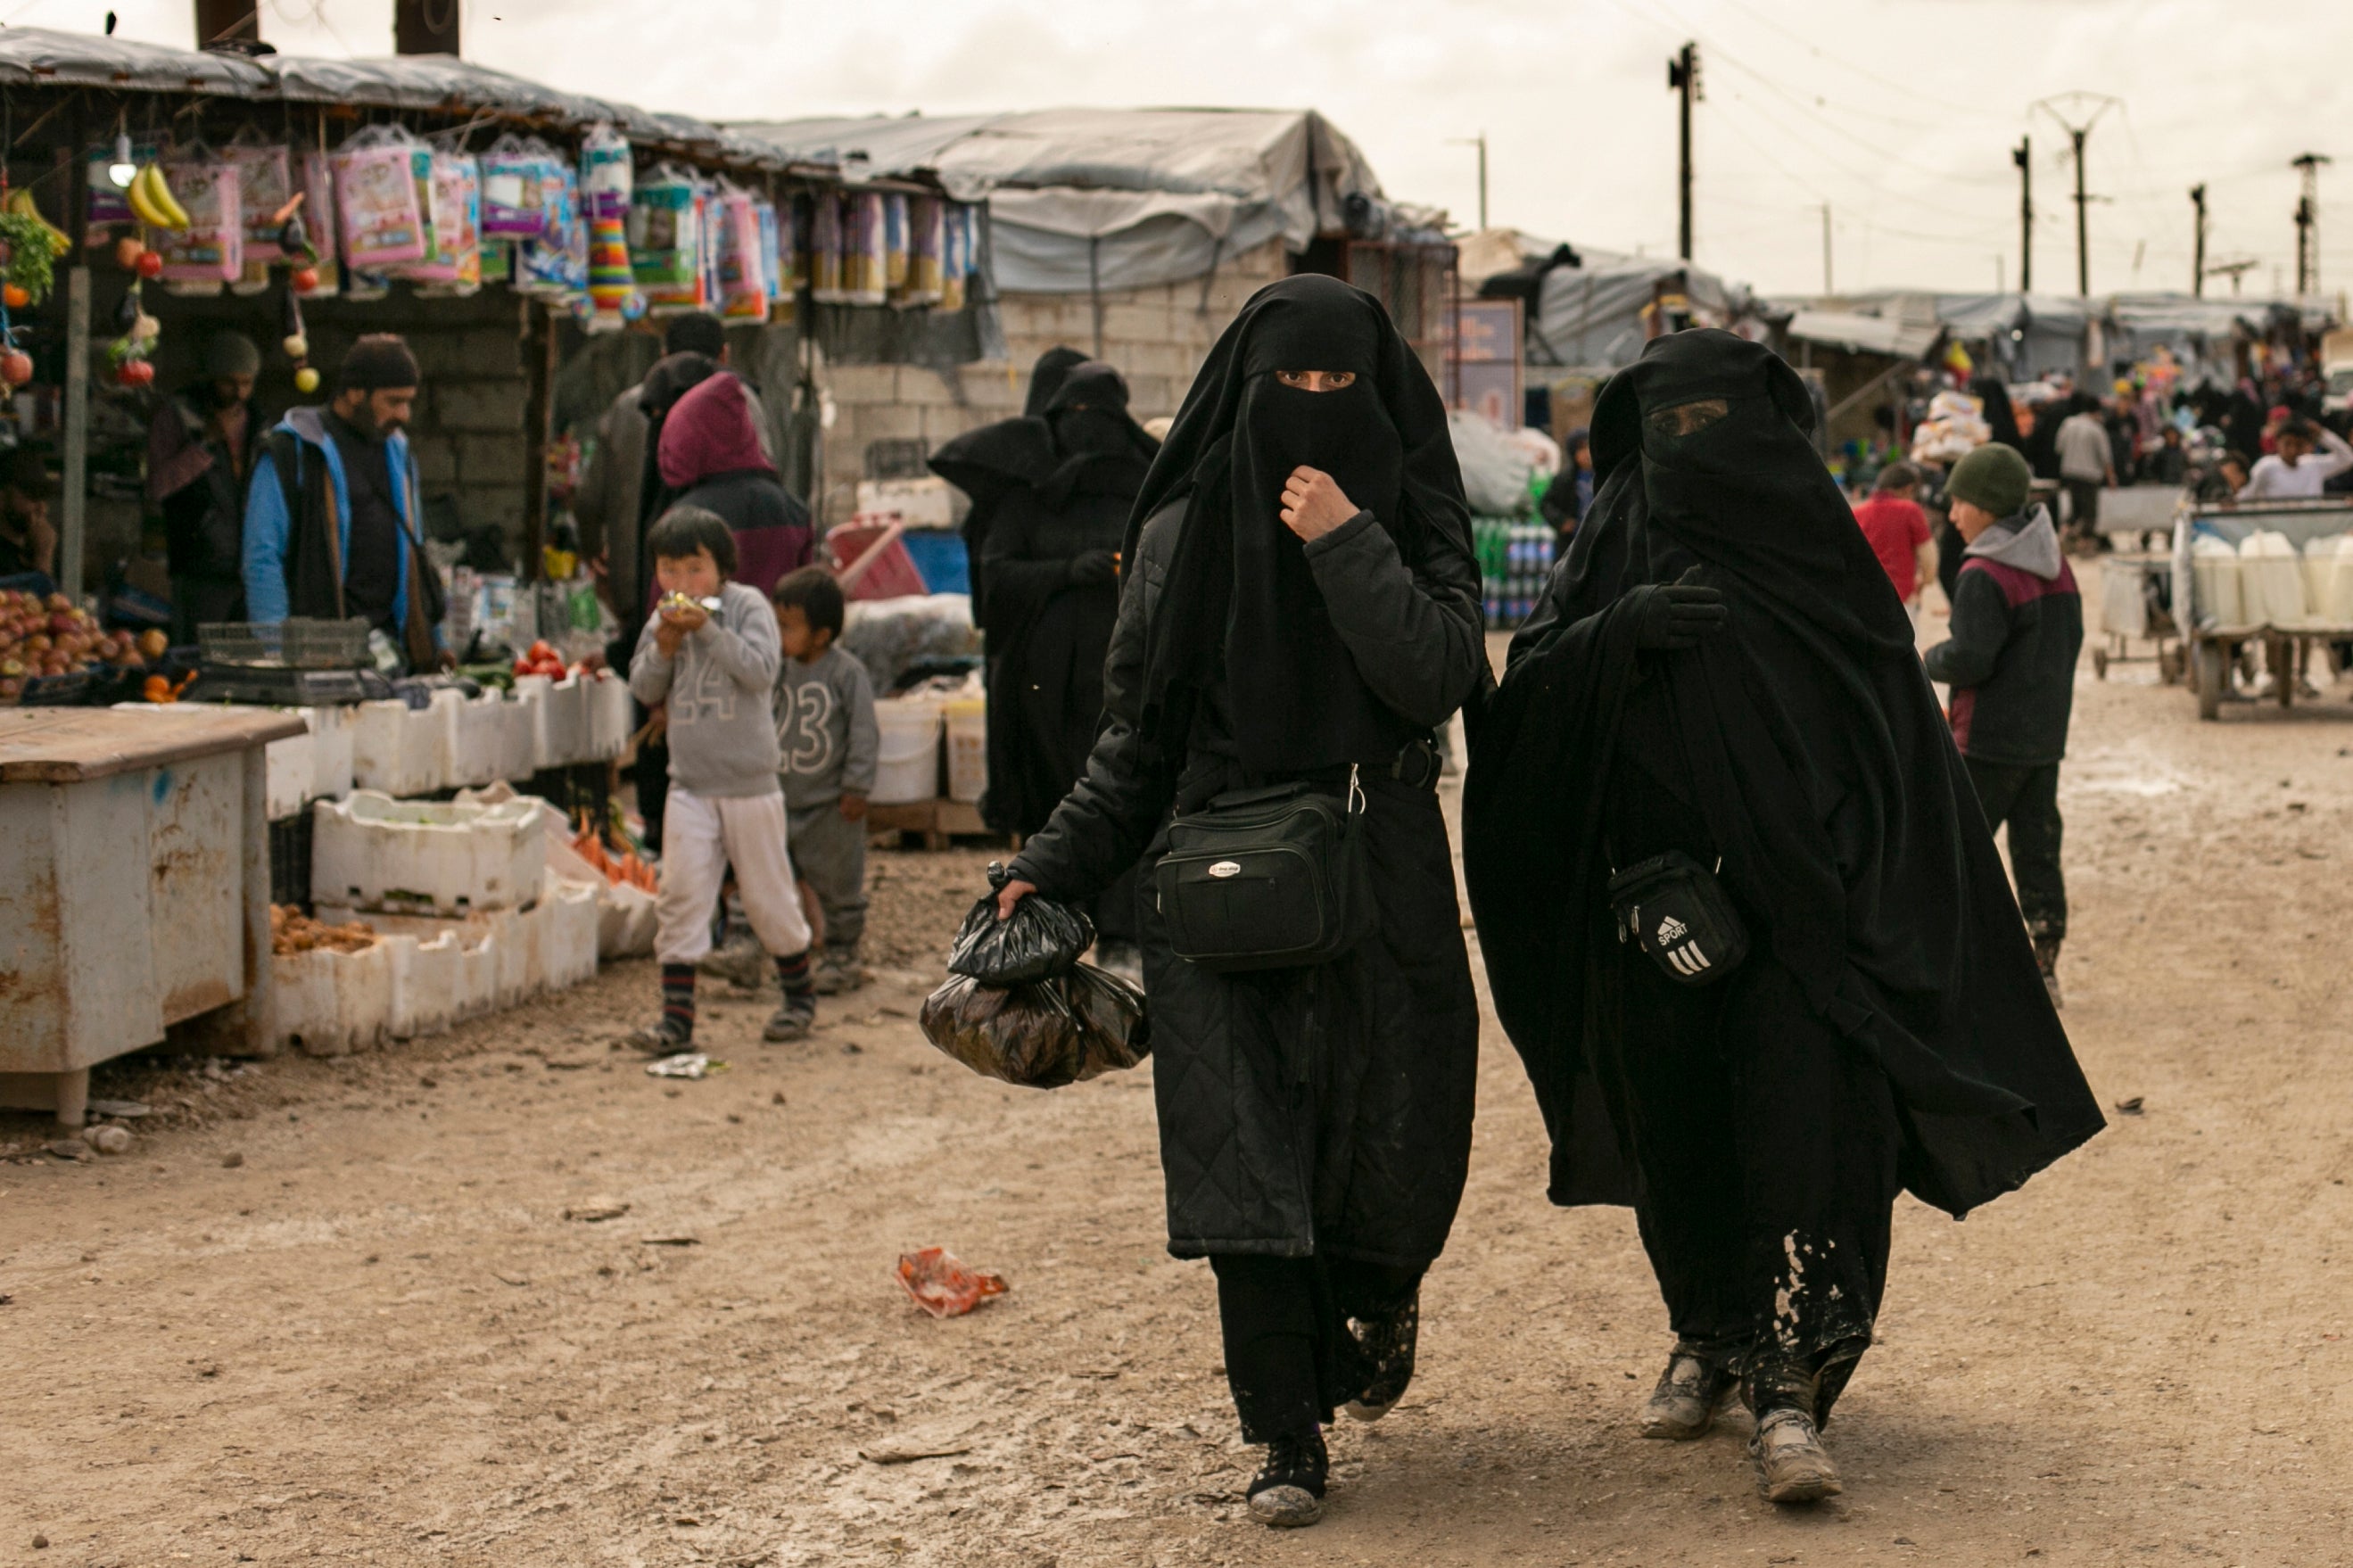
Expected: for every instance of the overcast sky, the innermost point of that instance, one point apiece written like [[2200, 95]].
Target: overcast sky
[[1899, 114]]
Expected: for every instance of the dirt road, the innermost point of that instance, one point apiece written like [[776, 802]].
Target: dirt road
[[336, 1311]]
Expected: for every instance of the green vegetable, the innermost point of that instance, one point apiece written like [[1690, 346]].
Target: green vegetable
[[31, 262]]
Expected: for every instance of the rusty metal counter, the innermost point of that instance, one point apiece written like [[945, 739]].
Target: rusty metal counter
[[134, 887]]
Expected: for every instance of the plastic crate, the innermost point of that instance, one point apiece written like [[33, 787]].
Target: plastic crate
[[297, 643], [411, 856]]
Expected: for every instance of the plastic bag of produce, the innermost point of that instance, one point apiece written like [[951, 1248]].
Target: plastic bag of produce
[[1042, 939], [1044, 1035]]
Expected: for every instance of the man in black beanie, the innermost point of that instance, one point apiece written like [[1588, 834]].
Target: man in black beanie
[[333, 527]]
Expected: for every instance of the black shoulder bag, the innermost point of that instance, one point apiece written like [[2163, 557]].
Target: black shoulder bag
[[1268, 878], [1674, 910]]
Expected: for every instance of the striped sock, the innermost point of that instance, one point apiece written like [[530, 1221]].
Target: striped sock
[[677, 996], [794, 974]]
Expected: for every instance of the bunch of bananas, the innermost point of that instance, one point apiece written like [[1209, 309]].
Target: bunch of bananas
[[20, 204], [152, 200]]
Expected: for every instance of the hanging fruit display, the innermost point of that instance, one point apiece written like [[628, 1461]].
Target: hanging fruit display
[[151, 197]]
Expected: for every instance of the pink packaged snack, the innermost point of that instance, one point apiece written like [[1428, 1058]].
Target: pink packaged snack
[[378, 174], [211, 250]]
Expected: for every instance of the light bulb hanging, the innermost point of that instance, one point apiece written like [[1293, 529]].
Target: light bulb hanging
[[122, 170]]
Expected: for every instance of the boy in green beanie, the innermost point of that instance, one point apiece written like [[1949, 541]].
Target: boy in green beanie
[[2017, 626]]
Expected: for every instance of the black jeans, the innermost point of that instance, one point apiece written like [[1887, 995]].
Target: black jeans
[[2086, 496], [1290, 1358], [2027, 797]]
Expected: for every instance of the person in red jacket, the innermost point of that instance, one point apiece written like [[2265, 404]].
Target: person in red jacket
[[1898, 532]]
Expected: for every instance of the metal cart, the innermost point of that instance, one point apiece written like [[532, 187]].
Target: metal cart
[[2137, 602], [2211, 643]]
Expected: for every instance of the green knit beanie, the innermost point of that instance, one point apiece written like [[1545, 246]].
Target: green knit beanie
[[1993, 477]]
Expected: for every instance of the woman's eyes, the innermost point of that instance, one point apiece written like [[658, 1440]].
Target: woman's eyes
[[1689, 418], [1317, 380]]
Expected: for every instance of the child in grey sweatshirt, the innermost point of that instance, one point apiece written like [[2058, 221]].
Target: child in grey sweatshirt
[[711, 671], [829, 742]]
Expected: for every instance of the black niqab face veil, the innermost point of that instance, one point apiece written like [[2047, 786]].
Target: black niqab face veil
[[1295, 699]]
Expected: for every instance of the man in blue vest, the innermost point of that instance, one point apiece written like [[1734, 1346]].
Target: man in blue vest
[[332, 524]]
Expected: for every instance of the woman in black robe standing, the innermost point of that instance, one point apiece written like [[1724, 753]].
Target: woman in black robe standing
[[1050, 567], [1298, 605], [1718, 671]]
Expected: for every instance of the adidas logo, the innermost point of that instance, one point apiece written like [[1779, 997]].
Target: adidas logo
[[1671, 930], [1689, 962]]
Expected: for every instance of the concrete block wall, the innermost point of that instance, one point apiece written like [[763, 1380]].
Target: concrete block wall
[[1157, 336]]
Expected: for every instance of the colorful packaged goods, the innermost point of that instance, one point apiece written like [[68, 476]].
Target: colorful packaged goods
[[455, 266], [666, 241], [556, 265], [865, 263], [520, 177], [210, 251], [607, 180], [383, 176], [959, 241], [742, 258], [825, 246], [927, 235], [265, 185], [897, 244]]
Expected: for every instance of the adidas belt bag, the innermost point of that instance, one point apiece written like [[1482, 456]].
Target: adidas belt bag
[[1674, 910], [1269, 879]]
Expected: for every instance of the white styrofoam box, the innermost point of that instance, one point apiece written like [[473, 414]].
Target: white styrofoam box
[[425, 982], [474, 753], [518, 738], [907, 767], [564, 721], [627, 921], [401, 751], [333, 728], [967, 740], [925, 502], [373, 852], [332, 1003], [612, 716], [568, 940]]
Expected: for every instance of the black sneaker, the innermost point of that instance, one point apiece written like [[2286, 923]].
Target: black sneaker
[[1289, 1490], [665, 1036], [1385, 1347], [1690, 1394], [792, 1021]]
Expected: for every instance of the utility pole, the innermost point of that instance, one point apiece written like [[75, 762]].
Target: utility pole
[[2079, 135], [1683, 76], [424, 27], [2019, 156], [1826, 249], [2308, 222], [1479, 141], [2198, 245], [230, 22]]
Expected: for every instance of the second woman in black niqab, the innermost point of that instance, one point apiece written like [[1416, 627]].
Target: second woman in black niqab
[[1888, 1029], [1050, 576], [1299, 604]]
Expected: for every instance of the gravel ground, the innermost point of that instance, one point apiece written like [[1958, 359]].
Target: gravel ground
[[358, 1310]]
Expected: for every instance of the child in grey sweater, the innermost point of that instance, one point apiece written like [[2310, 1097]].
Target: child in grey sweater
[[827, 742], [708, 658]]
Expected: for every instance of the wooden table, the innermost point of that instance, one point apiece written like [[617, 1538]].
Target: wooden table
[[136, 893]]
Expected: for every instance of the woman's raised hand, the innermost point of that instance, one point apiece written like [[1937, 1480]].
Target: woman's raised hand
[[1313, 503]]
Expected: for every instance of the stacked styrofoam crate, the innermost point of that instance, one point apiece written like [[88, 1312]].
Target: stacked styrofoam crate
[[373, 852], [332, 1003], [400, 751]]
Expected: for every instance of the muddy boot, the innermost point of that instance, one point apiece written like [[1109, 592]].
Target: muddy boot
[[839, 972], [1289, 1490], [2046, 959], [793, 1020], [665, 1036], [1792, 1466], [1385, 1347], [1691, 1392], [741, 962]]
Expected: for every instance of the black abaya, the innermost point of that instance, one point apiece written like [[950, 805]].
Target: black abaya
[[1808, 748]]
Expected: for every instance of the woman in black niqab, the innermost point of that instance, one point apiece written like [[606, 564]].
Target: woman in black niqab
[[1298, 605], [1050, 571], [1888, 1029], [992, 462]]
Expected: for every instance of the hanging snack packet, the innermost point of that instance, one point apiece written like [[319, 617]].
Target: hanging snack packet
[[927, 229], [211, 251], [515, 176], [956, 242], [264, 186], [380, 197], [454, 267], [666, 222], [896, 245], [742, 258], [865, 277], [828, 265]]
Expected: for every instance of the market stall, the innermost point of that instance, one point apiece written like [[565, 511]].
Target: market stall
[[139, 896]]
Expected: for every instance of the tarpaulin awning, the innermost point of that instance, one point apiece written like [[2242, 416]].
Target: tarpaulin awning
[[1856, 334]]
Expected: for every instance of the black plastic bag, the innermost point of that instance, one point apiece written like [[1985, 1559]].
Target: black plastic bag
[[1040, 940], [1042, 1035]]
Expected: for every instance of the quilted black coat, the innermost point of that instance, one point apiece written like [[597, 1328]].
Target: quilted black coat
[[1322, 1111]]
